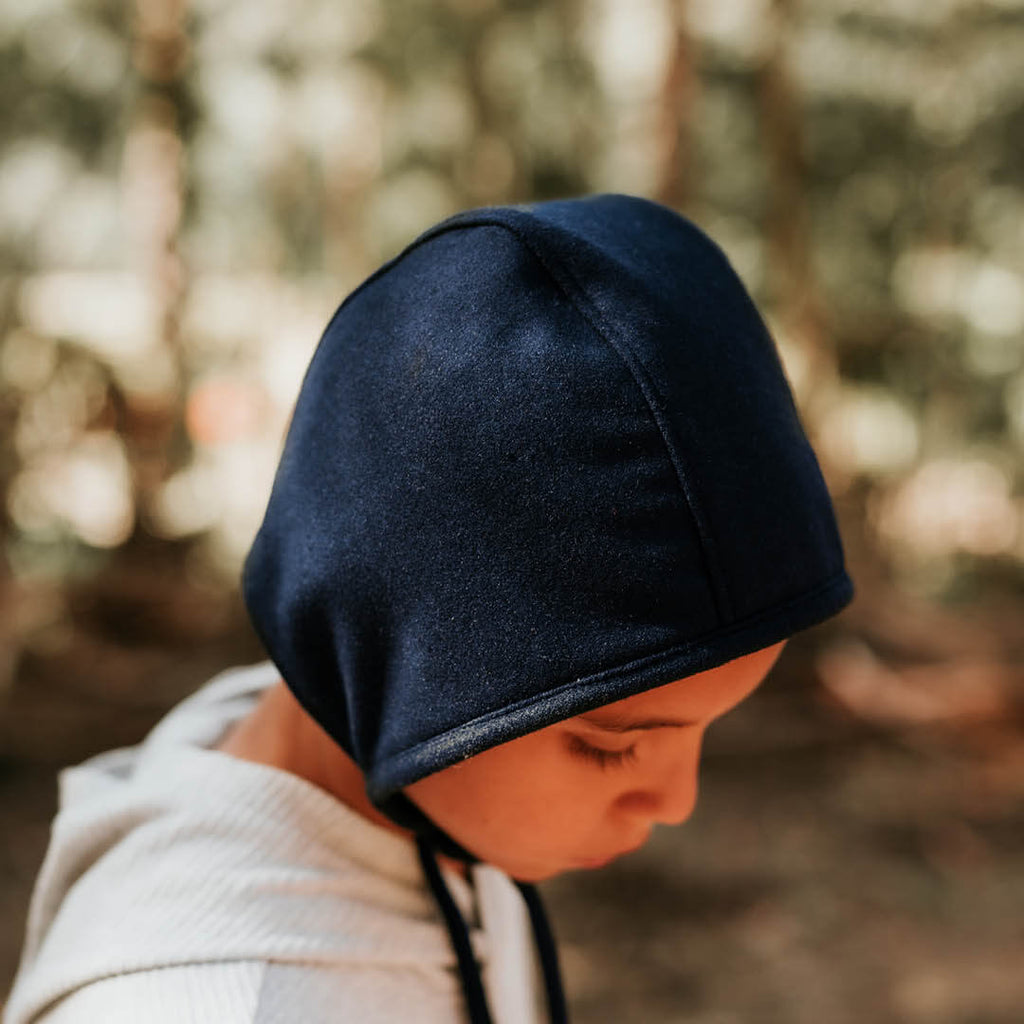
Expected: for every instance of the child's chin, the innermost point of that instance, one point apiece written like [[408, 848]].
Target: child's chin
[[533, 873], [591, 865]]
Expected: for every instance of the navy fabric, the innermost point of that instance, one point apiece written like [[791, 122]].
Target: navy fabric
[[544, 459]]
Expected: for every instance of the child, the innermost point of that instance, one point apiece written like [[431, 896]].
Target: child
[[544, 512]]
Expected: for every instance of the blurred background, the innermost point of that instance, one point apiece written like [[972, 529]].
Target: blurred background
[[188, 188]]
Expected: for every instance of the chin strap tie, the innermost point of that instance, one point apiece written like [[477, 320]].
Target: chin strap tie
[[469, 969]]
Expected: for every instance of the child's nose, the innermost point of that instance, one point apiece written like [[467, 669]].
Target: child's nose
[[669, 801], [678, 783], [677, 802]]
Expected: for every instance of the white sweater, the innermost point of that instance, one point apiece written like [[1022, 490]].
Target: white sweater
[[185, 886]]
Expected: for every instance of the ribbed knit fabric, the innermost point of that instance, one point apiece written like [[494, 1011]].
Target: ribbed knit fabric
[[184, 885]]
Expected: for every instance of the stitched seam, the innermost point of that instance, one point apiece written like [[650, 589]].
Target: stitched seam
[[566, 282], [646, 384], [570, 287]]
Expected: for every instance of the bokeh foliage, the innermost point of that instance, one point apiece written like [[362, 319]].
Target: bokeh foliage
[[188, 188]]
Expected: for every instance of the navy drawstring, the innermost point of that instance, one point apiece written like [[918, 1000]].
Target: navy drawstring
[[469, 971], [472, 986]]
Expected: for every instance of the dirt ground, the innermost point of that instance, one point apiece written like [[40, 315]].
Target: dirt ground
[[837, 870]]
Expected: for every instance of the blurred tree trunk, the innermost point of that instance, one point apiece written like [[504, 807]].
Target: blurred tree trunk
[[154, 183], [676, 103], [787, 230]]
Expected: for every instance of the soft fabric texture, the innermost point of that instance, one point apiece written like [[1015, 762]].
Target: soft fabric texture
[[543, 460], [183, 884]]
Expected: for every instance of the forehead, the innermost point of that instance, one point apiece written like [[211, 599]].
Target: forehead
[[695, 698]]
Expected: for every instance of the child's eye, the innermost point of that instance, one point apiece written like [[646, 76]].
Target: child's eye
[[598, 755]]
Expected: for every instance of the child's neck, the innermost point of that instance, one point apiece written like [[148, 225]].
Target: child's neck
[[278, 732]]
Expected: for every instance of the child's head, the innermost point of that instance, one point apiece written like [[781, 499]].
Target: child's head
[[544, 462]]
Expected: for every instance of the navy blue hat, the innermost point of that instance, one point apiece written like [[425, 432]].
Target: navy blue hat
[[544, 459]]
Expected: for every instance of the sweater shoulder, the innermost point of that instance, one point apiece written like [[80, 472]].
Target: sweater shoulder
[[260, 992], [224, 992]]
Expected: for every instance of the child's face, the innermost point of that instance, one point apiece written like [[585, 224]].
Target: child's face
[[584, 791]]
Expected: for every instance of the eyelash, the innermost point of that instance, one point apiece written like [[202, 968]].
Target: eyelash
[[602, 758]]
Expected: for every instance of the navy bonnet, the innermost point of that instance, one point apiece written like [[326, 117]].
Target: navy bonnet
[[542, 460]]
